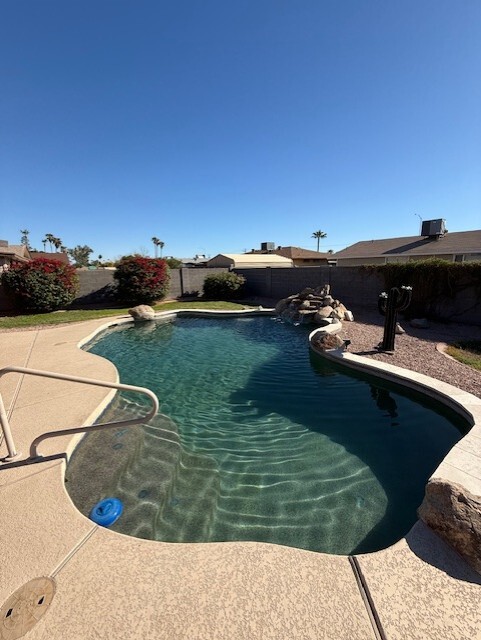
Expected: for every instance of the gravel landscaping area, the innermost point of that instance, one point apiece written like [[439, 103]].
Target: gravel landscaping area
[[416, 349]]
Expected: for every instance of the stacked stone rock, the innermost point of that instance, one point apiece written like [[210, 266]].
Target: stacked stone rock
[[313, 306]]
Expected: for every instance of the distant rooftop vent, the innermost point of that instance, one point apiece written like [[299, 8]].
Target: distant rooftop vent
[[433, 228], [268, 246]]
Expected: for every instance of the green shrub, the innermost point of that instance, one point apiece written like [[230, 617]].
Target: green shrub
[[223, 286], [174, 263], [42, 284], [141, 280]]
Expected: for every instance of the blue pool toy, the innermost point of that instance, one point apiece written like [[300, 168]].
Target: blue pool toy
[[107, 511]]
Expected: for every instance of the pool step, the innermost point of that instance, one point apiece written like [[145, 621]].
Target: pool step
[[158, 479], [172, 494], [189, 512]]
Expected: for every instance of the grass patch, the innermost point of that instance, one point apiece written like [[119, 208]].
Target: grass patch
[[63, 317], [466, 351]]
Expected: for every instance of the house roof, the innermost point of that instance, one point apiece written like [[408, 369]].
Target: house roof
[[298, 252], [60, 256], [450, 243], [255, 259], [196, 260], [15, 251]]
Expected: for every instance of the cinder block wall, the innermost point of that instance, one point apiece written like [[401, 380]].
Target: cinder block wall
[[183, 282], [356, 288], [348, 284], [189, 282], [92, 283]]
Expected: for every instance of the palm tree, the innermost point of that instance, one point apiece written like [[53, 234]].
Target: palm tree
[[156, 242], [48, 238], [319, 235], [161, 245], [24, 239], [57, 243]]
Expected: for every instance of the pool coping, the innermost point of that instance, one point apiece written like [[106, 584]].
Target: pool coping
[[466, 453], [343, 603]]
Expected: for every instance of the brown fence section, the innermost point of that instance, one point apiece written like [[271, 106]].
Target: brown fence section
[[189, 282], [356, 288], [96, 285]]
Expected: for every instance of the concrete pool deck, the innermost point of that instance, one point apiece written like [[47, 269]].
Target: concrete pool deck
[[114, 586]]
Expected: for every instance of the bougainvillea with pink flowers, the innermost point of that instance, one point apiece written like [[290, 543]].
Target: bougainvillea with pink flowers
[[42, 284], [141, 280]]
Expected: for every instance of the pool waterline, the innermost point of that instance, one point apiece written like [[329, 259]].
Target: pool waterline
[[349, 498]]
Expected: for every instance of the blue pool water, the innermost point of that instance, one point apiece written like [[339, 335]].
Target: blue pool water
[[260, 440]]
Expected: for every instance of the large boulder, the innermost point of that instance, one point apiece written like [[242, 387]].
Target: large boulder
[[325, 312], [142, 312], [328, 341], [455, 514], [338, 313]]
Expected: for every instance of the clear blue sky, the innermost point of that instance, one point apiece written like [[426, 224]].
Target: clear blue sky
[[216, 125]]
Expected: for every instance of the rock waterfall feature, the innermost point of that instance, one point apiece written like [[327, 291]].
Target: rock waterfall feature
[[313, 306]]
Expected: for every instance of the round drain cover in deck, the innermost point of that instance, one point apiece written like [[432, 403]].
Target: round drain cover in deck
[[25, 607]]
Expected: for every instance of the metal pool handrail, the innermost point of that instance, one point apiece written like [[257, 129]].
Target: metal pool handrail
[[4, 423]]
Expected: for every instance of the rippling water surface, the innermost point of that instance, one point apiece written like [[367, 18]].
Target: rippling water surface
[[259, 440]]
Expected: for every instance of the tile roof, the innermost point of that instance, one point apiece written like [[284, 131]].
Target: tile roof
[[456, 242]]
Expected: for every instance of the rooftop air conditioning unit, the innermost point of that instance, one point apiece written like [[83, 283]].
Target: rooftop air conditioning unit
[[268, 246], [433, 228]]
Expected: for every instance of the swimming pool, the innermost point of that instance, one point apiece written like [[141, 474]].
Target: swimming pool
[[260, 440]]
